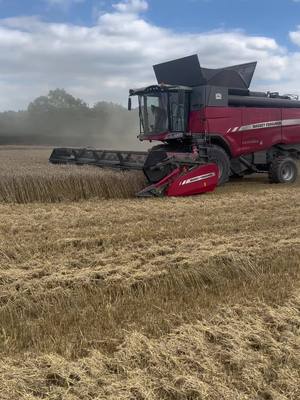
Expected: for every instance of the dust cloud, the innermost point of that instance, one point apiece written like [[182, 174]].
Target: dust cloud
[[61, 120]]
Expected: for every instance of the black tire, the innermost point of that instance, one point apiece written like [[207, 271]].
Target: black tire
[[156, 155], [219, 156], [283, 170]]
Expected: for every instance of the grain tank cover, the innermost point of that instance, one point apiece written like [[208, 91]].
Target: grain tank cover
[[188, 72]]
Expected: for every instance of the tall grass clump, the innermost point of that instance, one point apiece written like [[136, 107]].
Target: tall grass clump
[[67, 184], [26, 177]]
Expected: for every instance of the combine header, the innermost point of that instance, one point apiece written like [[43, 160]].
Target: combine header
[[211, 127]]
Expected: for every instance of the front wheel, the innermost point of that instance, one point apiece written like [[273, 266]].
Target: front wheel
[[219, 156], [283, 170]]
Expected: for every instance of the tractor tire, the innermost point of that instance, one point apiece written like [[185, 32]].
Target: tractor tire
[[219, 156], [283, 170], [156, 155]]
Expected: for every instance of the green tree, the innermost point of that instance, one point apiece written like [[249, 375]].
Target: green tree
[[56, 100]]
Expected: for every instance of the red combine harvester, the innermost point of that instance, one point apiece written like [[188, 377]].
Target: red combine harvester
[[212, 127]]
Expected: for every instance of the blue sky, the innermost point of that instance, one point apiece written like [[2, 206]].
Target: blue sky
[[98, 49], [274, 18]]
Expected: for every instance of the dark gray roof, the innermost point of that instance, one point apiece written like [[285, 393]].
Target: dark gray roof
[[188, 72]]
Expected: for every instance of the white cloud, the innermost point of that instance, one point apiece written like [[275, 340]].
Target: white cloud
[[131, 6], [117, 53], [295, 36]]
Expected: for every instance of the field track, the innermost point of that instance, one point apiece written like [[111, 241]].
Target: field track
[[105, 296]]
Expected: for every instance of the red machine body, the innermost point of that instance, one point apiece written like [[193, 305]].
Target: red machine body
[[248, 129]]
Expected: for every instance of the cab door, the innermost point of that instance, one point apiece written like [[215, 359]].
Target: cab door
[[178, 109]]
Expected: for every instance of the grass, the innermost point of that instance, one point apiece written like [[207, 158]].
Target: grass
[[194, 298]]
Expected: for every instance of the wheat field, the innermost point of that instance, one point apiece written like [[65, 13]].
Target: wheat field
[[26, 177], [105, 296]]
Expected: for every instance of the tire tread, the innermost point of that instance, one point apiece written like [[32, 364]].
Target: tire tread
[[275, 167]]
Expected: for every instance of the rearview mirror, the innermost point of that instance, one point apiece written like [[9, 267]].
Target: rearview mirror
[[129, 104]]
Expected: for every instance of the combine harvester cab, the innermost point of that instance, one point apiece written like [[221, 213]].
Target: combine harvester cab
[[211, 127]]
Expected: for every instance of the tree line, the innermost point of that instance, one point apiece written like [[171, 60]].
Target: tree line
[[60, 119]]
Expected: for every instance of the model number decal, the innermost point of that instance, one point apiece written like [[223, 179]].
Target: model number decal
[[265, 125], [261, 125], [197, 178]]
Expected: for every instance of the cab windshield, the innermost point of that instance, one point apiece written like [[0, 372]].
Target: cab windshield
[[162, 112], [154, 113]]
